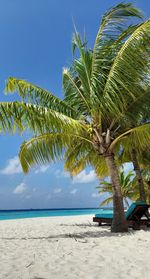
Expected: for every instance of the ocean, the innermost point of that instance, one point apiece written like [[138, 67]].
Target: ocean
[[34, 213]]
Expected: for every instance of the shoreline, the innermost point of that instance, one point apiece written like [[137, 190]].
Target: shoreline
[[42, 209], [71, 247], [24, 214]]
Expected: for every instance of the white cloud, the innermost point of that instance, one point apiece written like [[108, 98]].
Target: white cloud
[[127, 167], [42, 169], [57, 190], [66, 174], [84, 177], [60, 173], [73, 192], [95, 195], [21, 188], [13, 167]]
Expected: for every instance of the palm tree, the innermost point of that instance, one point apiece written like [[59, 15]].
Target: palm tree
[[129, 189], [134, 157], [102, 87], [140, 161], [146, 181], [146, 178]]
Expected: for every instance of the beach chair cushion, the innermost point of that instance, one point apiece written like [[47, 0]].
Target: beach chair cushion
[[109, 214], [106, 214], [132, 207]]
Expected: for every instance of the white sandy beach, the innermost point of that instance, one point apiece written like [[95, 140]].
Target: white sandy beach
[[71, 247]]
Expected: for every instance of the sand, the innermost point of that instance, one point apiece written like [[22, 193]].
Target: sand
[[71, 247]]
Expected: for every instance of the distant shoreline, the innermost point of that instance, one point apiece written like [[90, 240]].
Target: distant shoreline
[[34, 213], [50, 209]]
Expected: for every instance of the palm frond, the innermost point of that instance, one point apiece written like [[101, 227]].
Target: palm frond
[[99, 164], [129, 73], [41, 150], [137, 137], [36, 95], [81, 154], [46, 148], [83, 65], [106, 55], [137, 112], [107, 201], [128, 187], [105, 187], [110, 29], [77, 156], [39, 119], [74, 94]]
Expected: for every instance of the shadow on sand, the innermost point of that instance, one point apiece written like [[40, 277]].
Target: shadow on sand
[[101, 232]]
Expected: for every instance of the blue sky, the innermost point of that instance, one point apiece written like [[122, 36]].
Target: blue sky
[[35, 44]]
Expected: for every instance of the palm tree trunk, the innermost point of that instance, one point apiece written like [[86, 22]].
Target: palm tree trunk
[[119, 223], [138, 175], [148, 184]]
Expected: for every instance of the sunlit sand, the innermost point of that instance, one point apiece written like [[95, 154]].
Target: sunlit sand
[[71, 247]]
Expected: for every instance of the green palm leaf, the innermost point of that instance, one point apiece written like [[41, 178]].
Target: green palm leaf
[[33, 93], [83, 65], [107, 201], [42, 149], [37, 118], [46, 148], [129, 189], [129, 72], [110, 29], [74, 95], [138, 137]]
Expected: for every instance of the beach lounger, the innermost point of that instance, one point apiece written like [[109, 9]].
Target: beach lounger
[[136, 216]]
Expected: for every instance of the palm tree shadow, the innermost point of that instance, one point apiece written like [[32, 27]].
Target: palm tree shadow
[[83, 225], [81, 236]]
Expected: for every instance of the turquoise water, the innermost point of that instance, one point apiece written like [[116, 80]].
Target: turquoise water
[[19, 214]]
